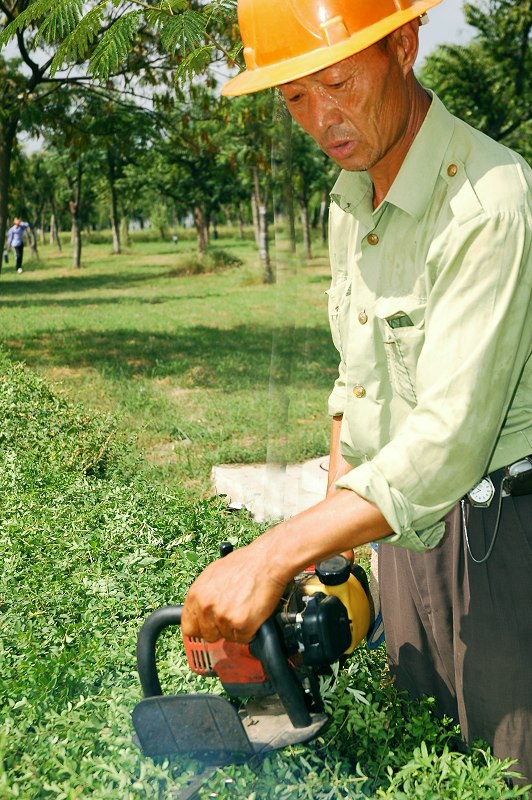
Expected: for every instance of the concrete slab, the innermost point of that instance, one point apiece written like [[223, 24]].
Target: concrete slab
[[271, 491]]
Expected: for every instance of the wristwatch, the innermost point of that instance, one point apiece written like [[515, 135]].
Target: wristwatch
[[483, 493]]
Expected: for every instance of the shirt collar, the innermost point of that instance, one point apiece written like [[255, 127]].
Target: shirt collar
[[414, 184]]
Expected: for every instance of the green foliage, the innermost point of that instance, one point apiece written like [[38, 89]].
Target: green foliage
[[89, 548], [485, 82], [73, 48], [61, 18], [378, 745], [86, 554], [51, 17], [215, 260], [179, 32], [430, 775], [113, 47], [73, 29]]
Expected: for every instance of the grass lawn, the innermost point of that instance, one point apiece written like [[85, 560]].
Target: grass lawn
[[202, 369]]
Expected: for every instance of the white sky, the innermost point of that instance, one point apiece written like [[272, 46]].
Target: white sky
[[446, 25]]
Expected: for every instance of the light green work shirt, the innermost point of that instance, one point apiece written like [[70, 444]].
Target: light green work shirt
[[430, 310]]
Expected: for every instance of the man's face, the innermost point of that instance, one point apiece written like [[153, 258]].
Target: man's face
[[357, 109]]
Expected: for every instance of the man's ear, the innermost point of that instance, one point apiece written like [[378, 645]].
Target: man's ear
[[407, 45]]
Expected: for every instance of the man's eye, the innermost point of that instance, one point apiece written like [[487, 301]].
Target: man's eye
[[293, 98]]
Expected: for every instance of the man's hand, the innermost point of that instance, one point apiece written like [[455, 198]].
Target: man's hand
[[232, 597], [236, 594]]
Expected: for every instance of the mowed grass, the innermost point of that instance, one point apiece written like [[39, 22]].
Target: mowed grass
[[200, 369]]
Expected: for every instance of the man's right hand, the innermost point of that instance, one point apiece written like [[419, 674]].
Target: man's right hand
[[233, 596]]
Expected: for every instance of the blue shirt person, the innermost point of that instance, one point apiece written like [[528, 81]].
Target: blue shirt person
[[15, 239]]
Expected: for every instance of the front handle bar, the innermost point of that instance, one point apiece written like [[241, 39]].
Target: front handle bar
[[266, 646]]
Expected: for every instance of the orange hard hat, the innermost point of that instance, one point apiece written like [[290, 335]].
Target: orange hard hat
[[288, 39]]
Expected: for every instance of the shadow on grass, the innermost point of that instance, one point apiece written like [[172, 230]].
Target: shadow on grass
[[88, 301], [202, 356], [12, 286]]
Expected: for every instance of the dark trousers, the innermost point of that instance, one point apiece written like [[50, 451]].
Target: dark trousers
[[19, 253], [462, 632]]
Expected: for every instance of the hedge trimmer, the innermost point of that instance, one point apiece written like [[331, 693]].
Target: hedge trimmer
[[272, 684]]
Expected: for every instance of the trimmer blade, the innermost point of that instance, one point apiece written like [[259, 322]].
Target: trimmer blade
[[202, 726], [209, 728]]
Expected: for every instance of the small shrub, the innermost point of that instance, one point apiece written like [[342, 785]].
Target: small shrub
[[215, 260]]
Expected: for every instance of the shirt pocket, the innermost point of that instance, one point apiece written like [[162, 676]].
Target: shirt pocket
[[339, 296], [402, 324]]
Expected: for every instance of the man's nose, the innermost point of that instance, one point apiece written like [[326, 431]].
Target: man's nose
[[325, 109]]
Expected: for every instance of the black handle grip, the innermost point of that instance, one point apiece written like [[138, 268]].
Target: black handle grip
[[147, 639], [266, 646]]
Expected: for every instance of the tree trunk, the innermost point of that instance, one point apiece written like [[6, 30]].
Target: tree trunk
[[306, 228], [199, 224], [33, 241], [76, 238], [115, 228], [115, 221], [291, 219], [240, 222], [228, 215], [255, 218], [42, 226], [74, 205], [124, 229], [54, 230], [264, 242], [8, 131], [324, 205]]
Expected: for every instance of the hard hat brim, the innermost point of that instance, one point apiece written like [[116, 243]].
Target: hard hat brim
[[254, 80]]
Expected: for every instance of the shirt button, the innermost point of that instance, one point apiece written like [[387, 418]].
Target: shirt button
[[452, 169], [373, 238], [362, 317], [359, 391]]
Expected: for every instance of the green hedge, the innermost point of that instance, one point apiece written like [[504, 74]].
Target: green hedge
[[89, 548]]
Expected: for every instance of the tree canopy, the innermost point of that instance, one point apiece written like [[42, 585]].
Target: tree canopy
[[126, 93], [487, 82]]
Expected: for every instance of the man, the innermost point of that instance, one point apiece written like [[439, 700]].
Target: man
[[15, 239], [430, 311]]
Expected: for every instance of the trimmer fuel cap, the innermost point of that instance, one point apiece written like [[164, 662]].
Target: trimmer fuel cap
[[333, 571]]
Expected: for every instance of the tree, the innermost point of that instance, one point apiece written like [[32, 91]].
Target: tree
[[49, 35], [251, 121], [183, 162], [311, 170], [69, 133], [486, 82], [119, 134], [12, 93]]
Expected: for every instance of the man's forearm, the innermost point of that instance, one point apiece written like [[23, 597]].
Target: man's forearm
[[338, 466], [235, 594], [342, 521]]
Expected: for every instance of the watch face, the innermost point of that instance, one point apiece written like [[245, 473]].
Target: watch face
[[482, 494]]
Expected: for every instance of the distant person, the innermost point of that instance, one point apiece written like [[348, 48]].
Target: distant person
[[15, 240]]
